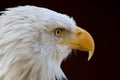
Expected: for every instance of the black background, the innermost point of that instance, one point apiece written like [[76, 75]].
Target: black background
[[96, 16]]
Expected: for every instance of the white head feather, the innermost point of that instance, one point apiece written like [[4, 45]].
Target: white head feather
[[28, 46]]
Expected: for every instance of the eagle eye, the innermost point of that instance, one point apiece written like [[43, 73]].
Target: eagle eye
[[58, 31]]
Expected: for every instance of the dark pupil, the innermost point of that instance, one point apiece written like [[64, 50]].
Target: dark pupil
[[58, 31]]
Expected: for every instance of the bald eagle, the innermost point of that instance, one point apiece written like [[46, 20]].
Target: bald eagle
[[34, 41]]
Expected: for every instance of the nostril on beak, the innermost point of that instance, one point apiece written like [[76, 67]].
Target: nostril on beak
[[79, 33]]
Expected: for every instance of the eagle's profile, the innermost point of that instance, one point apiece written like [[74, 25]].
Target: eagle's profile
[[34, 41]]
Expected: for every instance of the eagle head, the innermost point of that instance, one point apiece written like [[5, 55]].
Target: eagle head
[[35, 40]]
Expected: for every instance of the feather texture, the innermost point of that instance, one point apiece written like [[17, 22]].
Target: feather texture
[[28, 49]]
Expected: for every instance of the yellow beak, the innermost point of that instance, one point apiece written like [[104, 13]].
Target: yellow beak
[[82, 41]]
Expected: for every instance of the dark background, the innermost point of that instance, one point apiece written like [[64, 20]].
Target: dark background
[[96, 16]]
